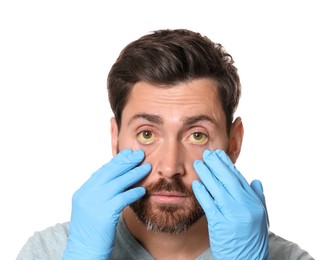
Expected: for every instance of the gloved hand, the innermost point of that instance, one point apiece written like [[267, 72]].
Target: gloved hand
[[97, 205], [236, 212]]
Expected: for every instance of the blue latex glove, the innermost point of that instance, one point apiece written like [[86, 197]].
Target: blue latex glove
[[236, 212], [97, 205]]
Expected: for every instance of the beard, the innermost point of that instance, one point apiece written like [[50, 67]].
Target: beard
[[168, 218]]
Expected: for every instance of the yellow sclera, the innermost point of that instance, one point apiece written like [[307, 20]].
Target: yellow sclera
[[146, 137], [198, 138]]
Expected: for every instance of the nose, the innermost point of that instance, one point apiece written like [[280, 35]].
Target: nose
[[171, 160]]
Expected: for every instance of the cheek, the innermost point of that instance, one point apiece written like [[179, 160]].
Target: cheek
[[220, 142], [126, 141], [195, 154]]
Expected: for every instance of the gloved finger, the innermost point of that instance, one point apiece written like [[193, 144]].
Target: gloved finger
[[210, 208], [256, 185], [128, 179], [212, 184], [224, 174], [120, 164], [258, 189], [226, 159], [120, 201]]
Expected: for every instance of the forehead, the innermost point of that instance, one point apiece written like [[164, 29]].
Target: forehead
[[196, 97]]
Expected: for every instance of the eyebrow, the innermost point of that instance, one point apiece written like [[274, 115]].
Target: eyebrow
[[188, 121], [196, 119], [149, 117]]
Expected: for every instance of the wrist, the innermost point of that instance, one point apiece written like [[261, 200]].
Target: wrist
[[75, 250]]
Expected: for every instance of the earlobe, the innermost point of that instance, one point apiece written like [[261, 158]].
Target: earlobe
[[236, 136], [114, 135]]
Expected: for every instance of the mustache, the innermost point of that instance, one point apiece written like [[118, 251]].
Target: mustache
[[173, 185]]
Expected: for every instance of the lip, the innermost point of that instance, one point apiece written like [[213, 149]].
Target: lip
[[168, 198]]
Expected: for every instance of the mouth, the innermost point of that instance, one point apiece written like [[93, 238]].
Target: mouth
[[168, 197]]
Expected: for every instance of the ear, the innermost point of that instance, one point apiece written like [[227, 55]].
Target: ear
[[114, 135], [236, 136]]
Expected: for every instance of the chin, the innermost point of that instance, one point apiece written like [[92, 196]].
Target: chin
[[166, 218]]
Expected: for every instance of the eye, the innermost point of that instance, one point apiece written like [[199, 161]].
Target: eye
[[146, 137], [198, 138]]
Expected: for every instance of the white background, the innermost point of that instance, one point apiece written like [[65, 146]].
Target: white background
[[54, 112]]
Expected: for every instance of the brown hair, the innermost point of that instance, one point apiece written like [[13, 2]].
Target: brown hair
[[168, 57]]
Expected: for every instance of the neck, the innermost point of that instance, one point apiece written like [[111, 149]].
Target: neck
[[185, 245]]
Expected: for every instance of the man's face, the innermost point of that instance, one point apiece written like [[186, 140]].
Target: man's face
[[173, 125]]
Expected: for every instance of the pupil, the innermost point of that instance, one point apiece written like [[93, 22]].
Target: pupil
[[147, 134], [197, 136]]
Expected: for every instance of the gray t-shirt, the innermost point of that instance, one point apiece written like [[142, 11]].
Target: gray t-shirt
[[50, 244]]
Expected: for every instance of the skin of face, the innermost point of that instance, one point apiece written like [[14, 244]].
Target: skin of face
[[174, 125]]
